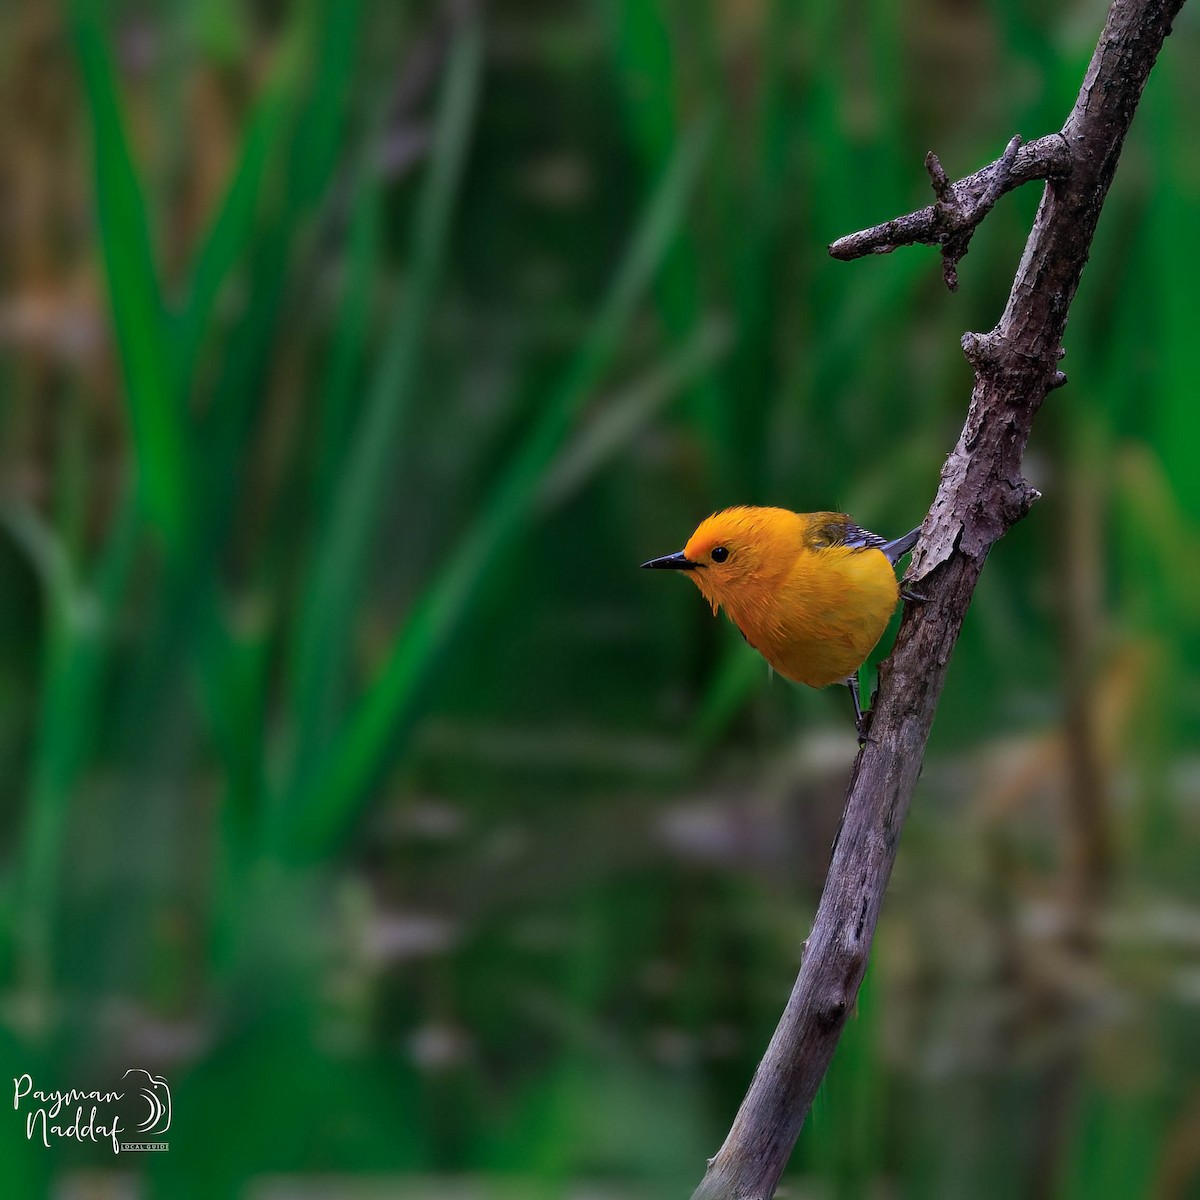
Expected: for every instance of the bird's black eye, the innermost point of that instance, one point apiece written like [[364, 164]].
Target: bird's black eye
[[720, 553]]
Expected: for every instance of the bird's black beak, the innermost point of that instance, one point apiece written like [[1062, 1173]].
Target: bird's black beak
[[672, 562]]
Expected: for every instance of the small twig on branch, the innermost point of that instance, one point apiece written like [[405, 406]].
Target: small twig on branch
[[960, 207], [981, 494]]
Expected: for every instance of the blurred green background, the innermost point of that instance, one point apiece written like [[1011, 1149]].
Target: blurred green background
[[352, 356]]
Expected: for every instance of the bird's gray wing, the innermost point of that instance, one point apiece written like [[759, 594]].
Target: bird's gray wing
[[836, 529]]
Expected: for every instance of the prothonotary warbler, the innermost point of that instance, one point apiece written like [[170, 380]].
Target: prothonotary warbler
[[811, 592]]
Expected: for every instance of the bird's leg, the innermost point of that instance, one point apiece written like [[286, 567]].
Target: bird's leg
[[862, 720], [911, 596]]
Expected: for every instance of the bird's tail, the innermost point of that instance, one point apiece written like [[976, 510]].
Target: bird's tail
[[896, 550]]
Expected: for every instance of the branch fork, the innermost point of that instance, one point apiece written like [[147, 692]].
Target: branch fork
[[950, 222]]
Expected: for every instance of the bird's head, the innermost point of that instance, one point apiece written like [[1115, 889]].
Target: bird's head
[[736, 551]]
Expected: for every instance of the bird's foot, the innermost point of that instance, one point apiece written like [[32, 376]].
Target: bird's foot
[[862, 718], [913, 597], [862, 723]]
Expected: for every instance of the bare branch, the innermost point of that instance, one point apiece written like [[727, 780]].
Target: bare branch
[[960, 207], [981, 494]]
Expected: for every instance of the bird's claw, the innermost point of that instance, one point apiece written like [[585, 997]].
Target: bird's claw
[[862, 723], [913, 597]]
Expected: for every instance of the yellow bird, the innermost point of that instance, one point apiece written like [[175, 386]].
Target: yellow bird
[[811, 592]]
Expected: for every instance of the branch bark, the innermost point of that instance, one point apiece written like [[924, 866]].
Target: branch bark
[[981, 494]]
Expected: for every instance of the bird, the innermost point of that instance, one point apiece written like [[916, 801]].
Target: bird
[[811, 592]]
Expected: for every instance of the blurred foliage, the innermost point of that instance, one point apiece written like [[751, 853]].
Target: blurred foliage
[[353, 355]]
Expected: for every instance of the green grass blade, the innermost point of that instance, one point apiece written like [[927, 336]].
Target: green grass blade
[[350, 336], [232, 227], [648, 61], [628, 413], [752, 372], [319, 134], [266, 222], [155, 413], [78, 625]]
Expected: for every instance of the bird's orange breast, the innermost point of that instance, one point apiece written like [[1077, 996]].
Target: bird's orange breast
[[818, 623]]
